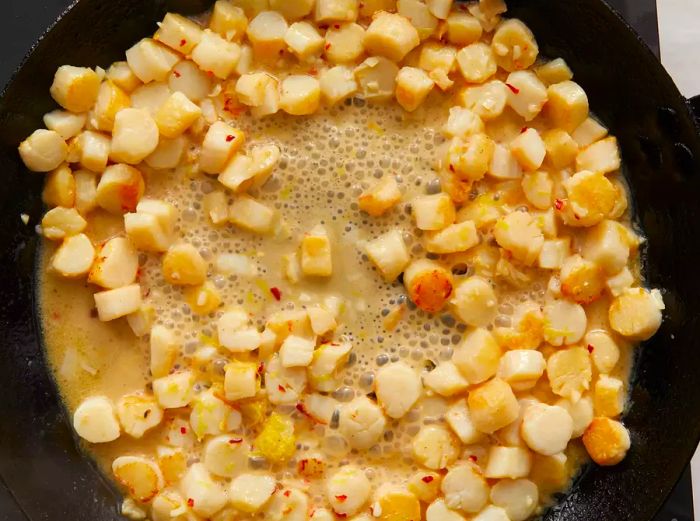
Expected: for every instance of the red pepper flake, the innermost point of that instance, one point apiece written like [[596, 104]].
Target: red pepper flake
[[590, 348], [276, 293], [183, 42], [558, 204], [230, 138], [341, 497], [341, 516], [183, 430], [336, 26], [523, 130], [190, 502], [302, 465], [210, 73], [287, 493], [323, 26], [328, 46], [233, 441], [473, 458], [281, 389], [513, 88], [427, 479], [176, 73], [452, 168], [313, 71], [261, 368]]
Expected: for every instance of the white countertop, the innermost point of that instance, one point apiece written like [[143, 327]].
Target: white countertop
[[679, 36]]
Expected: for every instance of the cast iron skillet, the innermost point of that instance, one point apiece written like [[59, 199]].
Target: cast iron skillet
[[628, 89]]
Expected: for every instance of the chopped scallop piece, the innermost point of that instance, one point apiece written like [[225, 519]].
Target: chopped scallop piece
[[503, 166], [554, 71], [115, 303], [300, 94], [209, 414], [470, 158], [455, 238], [389, 253], [226, 456], [514, 45], [116, 265], [237, 174], [179, 33], [292, 10], [636, 314], [527, 95], [236, 332], [521, 366], [66, 124], [537, 187], [150, 97], [322, 320], [167, 154], [284, 385], [240, 380], [581, 413], [316, 258], [343, 43], [327, 361], [601, 157], [43, 151], [120, 188], [266, 32], [435, 447], [429, 284], [398, 387], [361, 423], [174, 390], [591, 199], [528, 149], [206, 494], [145, 232], [296, 351], [74, 257], [151, 61], [251, 215], [164, 348], [445, 380], [492, 513], [438, 511], [250, 492], [288, 505], [477, 357], [425, 485], [190, 80], [348, 490], [569, 372], [376, 78], [75, 88], [565, 322], [183, 265], [134, 137], [412, 87], [567, 106], [492, 406], [561, 148], [140, 476], [608, 396], [589, 132], [518, 233], [604, 350], [228, 20], [437, 57], [380, 197], [433, 212], [176, 115], [488, 101], [110, 100], [390, 35], [508, 462], [463, 122], [463, 29], [465, 488], [459, 420], [517, 497], [476, 62], [420, 16], [303, 40], [141, 320], [581, 280], [337, 84], [395, 503], [138, 413], [220, 144], [546, 429], [203, 299], [607, 441], [121, 75], [167, 505], [336, 10], [216, 55], [59, 188], [319, 407], [95, 420], [607, 245], [474, 302]]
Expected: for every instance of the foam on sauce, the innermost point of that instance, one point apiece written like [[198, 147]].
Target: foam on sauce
[[328, 160]]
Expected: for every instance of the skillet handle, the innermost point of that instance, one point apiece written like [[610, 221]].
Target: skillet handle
[[694, 105]]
